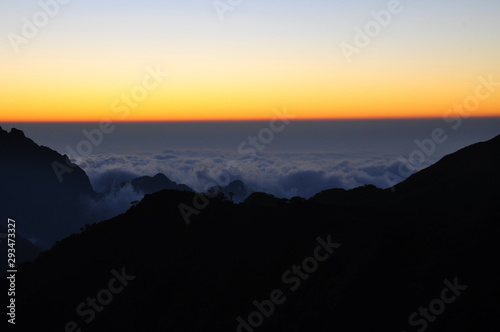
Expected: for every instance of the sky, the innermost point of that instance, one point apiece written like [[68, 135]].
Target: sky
[[332, 93], [176, 60], [304, 158]]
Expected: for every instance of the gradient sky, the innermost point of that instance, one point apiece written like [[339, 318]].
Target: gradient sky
[[263, 55]]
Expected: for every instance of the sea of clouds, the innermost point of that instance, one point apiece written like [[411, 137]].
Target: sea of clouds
[[281, 174]]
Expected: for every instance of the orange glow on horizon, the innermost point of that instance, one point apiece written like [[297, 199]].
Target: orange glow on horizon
[[239, 119]]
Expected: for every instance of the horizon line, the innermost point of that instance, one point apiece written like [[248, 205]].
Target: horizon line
[[251, 119]]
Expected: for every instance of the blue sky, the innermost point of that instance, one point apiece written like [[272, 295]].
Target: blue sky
[[262, 55]]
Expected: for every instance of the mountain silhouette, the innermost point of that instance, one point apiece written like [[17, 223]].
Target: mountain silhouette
[[368, 195], [235, 191], [149, 185], [472, 170], [44, 199], [360, 260]]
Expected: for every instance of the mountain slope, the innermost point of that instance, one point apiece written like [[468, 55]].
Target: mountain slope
[[439, 187], [149, 185], [368, 195], [236, 190], [45, 208], [386, 264], [468, 177]]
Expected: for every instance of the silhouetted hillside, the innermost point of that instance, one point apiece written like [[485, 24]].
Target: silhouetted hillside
[[259, 199], [236, 190], [368, 195], [327, 266], [149, 185], [41, 190], [467, 178], [439, 188]]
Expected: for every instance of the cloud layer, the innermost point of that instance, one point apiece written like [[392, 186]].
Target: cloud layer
[[281, 174]]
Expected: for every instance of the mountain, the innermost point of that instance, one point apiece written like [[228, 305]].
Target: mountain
[[149, 185], [440, 187], [468, 177], [366, 260], [259, 199], [41, 189], [53, 198], [236, 190], [368, 195]]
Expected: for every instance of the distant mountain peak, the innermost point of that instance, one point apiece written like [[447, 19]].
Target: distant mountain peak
[[152, 184], [17, 133], [15, 137], [236, 190]]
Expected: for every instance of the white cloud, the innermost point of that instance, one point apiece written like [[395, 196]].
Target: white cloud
[[281, 174]]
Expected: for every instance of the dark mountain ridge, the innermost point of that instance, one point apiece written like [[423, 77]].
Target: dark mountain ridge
[[235, 191], [152, 184], [47, 209], [221, 270], [473, 169], [467, 177], [50, 196]]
